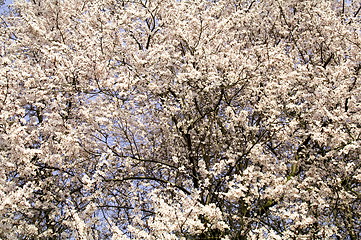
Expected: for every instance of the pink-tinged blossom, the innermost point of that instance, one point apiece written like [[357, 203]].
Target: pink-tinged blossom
[[165, 119]]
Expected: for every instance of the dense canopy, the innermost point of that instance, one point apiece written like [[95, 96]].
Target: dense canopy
[[189, 119]]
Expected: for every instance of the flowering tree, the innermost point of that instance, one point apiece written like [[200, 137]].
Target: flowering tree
[[164, 119]]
